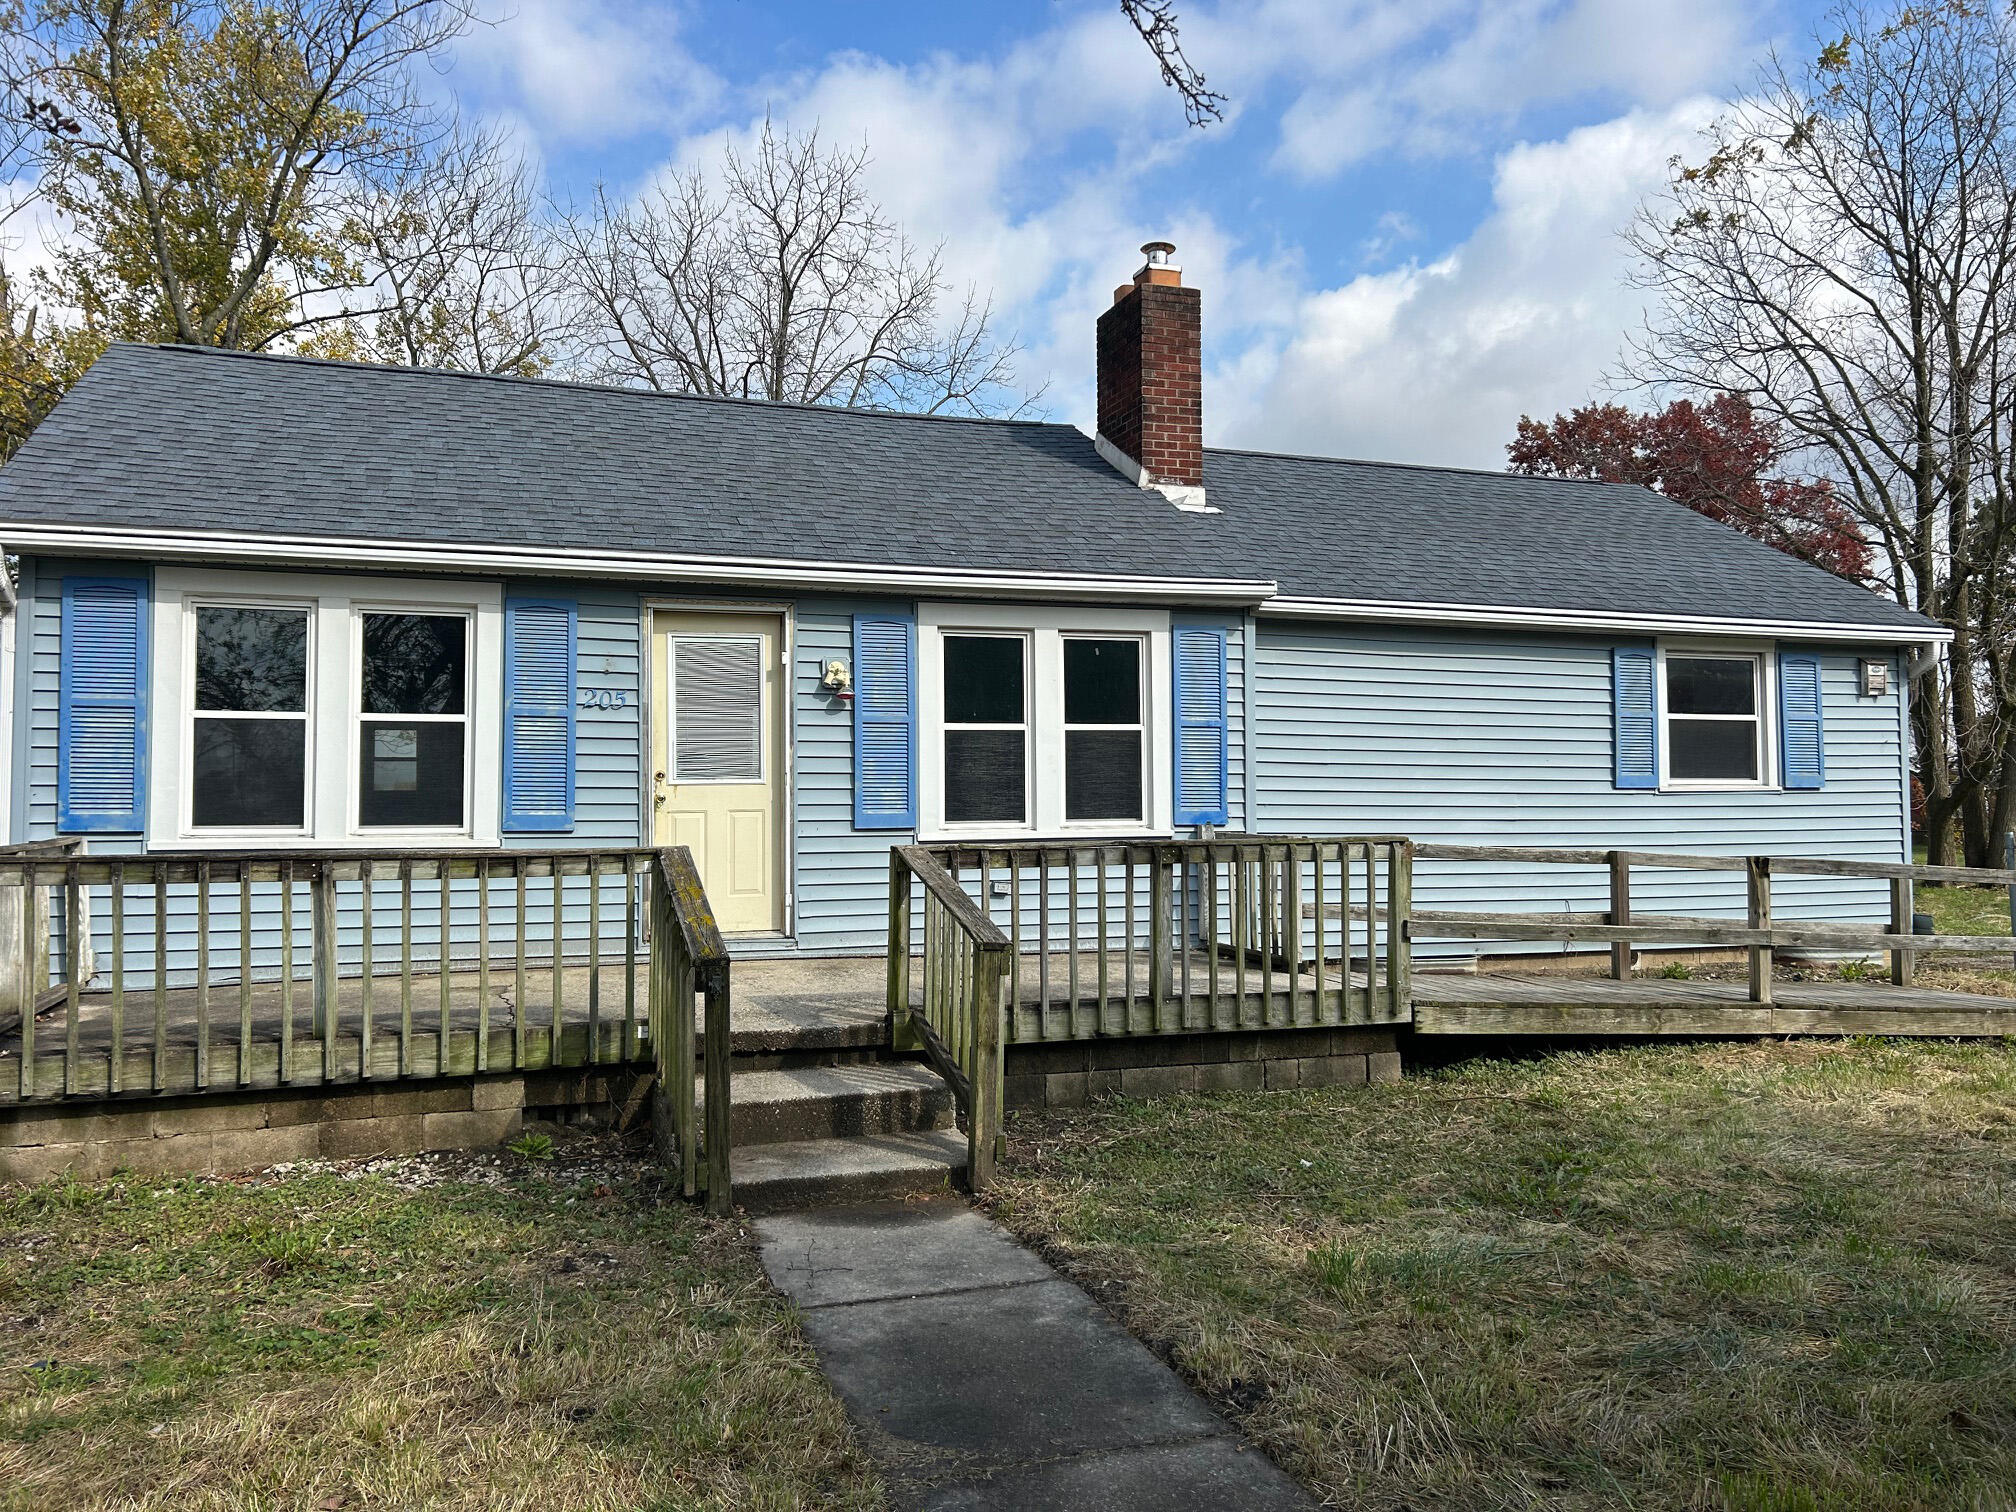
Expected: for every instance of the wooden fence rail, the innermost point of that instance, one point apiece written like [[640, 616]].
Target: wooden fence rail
[[187, 973], [1758, 933]]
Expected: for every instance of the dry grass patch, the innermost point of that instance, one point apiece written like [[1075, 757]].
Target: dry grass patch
[[445, 1332], [1764, 1276]]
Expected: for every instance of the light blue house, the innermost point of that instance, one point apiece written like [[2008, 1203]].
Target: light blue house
[[273, 603]]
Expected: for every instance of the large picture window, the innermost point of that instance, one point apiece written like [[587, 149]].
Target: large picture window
[[319, 710], [1715, 730], [1043, 721], [249, 720]]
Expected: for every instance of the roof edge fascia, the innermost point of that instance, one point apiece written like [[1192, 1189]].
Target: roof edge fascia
[[1492, 616]]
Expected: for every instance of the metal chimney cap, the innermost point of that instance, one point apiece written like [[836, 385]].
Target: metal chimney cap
[[1158, 253]]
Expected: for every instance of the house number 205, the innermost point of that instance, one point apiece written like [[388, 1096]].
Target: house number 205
[[603, 698]]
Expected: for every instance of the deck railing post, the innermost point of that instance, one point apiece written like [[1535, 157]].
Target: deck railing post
[[2008, 864], [322, 948], [1161, 880], [1757, 873], [720, 1200], [1399, 930], [1901, 959], [901, 1035], [1620, 912], [983, 1124]]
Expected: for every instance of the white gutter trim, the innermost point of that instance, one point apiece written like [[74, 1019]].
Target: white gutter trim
[[324, 551], [1508, 617]]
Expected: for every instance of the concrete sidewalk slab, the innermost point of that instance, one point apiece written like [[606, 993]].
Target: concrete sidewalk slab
[[891, 1249], [983, 1379], [1206, 1475]]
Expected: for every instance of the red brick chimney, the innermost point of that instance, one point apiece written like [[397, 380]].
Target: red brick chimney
[[1151, 382]]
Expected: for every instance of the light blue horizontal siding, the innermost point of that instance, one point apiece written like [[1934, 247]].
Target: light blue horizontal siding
[[841, 881], [1479, 740]]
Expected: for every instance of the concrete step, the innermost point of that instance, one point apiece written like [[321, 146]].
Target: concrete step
[[777, 1178], [837, 1102]]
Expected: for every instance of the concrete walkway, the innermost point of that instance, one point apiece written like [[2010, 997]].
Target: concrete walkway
[[983, 1379]]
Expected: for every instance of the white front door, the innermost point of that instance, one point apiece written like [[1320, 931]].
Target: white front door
[[719, 769]]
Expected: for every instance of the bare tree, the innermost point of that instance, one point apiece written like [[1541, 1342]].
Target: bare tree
[[778, 278], [1844, 257], [197, 148], [454, 266], [1156, 21]]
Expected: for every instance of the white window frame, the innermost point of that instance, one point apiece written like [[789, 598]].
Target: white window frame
[[672, 639], [1766, 663], [1140, 727], [337, 606], [187, 715], [1027, 726], [353, 775], [1046, 628]]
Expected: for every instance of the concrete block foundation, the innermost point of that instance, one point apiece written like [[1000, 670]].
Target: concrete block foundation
[[1071, 1074]]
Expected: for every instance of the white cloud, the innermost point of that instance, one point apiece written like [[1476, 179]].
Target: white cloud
[[584, 71], [1436, 362]]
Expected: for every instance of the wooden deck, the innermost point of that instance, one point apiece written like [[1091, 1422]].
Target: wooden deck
[[1462, 1004]]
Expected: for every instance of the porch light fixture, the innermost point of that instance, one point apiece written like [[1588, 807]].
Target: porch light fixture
[[837, 680]]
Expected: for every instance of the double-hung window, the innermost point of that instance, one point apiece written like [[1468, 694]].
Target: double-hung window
[[1105, 754], [1043, 721], [413, 694], [323, 710], [248, 719], [1716, 733]]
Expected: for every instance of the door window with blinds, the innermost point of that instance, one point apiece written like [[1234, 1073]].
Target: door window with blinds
[[716, 695]]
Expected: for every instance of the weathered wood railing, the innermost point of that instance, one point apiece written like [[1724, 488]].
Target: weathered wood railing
[[956, 1017], [1172, 937], [1621, 926], [27, 975], [689, 961], [306, 968]]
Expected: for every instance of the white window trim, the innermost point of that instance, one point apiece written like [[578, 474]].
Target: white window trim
[[1026, 725], [335, 663], [1766, 660], [1046, 626], [186, 715], [357, 717]]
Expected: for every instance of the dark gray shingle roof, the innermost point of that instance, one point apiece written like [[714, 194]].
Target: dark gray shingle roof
[[188, 439]]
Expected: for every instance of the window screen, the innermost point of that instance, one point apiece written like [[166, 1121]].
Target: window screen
[[986, 729], [1713, 732], [1103, 737], [411, 766], [717, 709], [249, 740]]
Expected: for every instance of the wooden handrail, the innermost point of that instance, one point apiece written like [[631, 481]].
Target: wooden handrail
[[1802, 866], [925, 867]]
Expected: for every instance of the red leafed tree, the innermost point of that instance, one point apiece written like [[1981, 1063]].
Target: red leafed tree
[[1717, 458]]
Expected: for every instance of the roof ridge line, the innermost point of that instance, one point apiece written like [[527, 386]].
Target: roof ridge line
[[302, 359]]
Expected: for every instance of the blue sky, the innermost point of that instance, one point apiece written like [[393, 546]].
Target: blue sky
[[1405, 231]]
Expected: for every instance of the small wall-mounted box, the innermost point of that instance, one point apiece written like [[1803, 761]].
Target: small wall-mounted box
[[1875, 678]]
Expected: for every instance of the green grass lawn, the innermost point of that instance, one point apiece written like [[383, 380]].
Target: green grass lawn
[[1766, 1276], [449, 1333]]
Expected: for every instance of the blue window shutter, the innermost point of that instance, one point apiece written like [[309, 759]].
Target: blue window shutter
[[539, 641], [101, 772], [1634, 695], [1802, 754], [885, 722], [1198, 658]]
